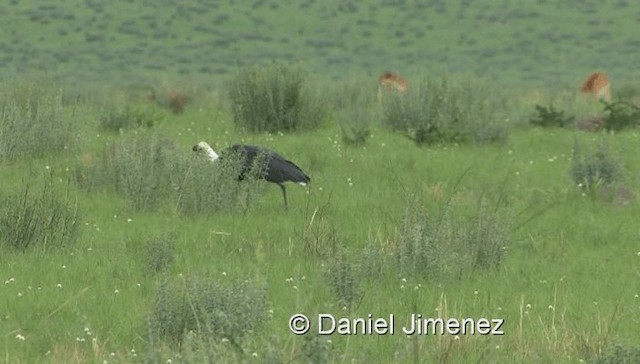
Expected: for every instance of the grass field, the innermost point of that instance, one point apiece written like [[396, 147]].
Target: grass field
[[120, 246], [139, 43]]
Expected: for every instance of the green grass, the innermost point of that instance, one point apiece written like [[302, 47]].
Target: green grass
[[132, 43], [558, 287], [166, 263]]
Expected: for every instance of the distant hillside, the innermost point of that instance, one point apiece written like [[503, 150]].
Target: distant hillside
[[142, 41]]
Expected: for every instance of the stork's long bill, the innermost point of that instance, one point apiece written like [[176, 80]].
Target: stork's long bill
[[210, 152]]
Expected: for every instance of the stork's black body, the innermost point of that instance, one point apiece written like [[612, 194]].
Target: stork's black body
[[278, 169]]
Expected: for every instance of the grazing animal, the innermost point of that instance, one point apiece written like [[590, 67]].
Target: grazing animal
[[597, 85], [391, 81], [279, 170]]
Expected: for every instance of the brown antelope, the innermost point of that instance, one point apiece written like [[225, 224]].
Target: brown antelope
[[391, 81], [598, 85]]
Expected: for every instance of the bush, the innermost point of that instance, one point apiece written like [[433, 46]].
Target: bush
[[206, 188], [450, 246], [160, 252], [318, 236], [355, 125], [32, 122], [355, 108], [208, 309], [317, 349], [117, 118], [45, 220], [444, 112], [591, 170], [141, 168], [621, 115], [276, 98], [341, 275], [618, 354], [550, 117]]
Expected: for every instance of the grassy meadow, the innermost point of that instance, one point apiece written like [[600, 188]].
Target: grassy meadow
[[139, 43], [119, 244]]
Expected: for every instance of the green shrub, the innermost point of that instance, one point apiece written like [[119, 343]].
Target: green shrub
[[550, 117], [32, 122], [141, 168], [209, 188], [450, 245], [43, 220], [276, 98], [317, 349], [356, 109], [373, 262], [318, 236], [618, 354], [210, 310], [627, 92], [444, 111], [341, 275], [160, 252], [591, 170], [116, 118], [621, 115]]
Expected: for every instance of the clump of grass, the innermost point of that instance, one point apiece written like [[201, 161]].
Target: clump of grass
[[593, 169], [160, 252], [354, 127], [318, 236], [44, 220], [444, 111], [316, 349], [356, 110], [548, 116], [141, 168], [275, 98], [621, 115], [32, 122], [207, 188], [373, 262], [355, 122], [450, 245], [207, 308], [618, 354], [341, 276], [116, 118]]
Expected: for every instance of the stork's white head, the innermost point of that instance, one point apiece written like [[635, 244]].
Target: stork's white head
[[204, 147]]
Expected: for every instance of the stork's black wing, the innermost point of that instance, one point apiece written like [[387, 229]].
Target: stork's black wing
[[278, 169], [282, 170]]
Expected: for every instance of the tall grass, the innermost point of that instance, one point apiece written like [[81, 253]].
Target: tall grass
[[343, 280], [33, 122], [275, 98], [209, 188], [356, 109], [451, 243], [142, 168], [160, 252], [200, 311], [591, 169], [445, 110], [120, 115], [43, 219]]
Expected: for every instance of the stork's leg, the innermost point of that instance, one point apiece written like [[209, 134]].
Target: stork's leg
[[284, 194]]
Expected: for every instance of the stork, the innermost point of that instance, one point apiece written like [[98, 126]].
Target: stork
[[278, 169]]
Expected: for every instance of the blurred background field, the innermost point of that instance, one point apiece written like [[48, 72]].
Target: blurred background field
[[140, 42]]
